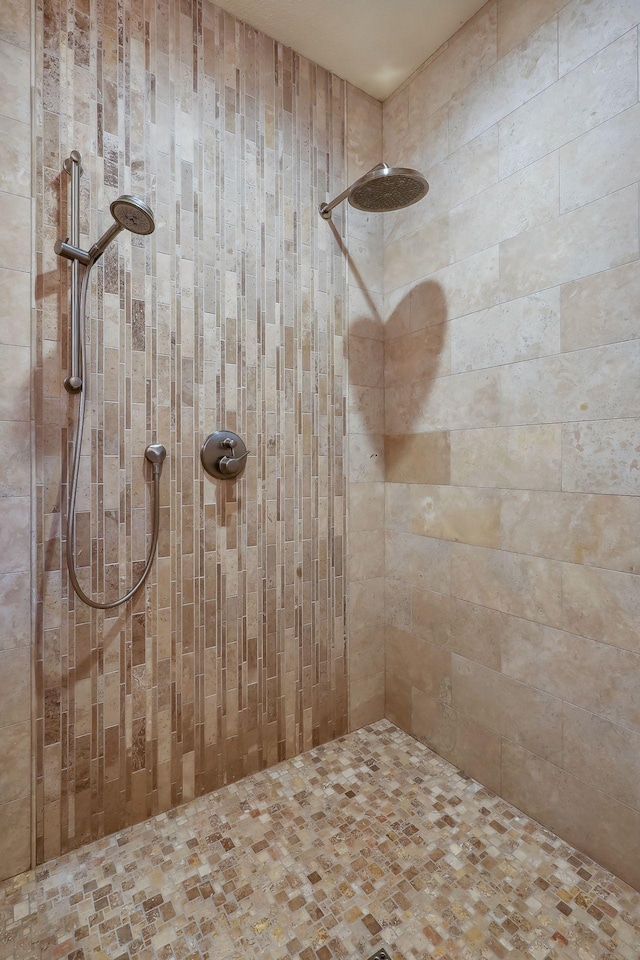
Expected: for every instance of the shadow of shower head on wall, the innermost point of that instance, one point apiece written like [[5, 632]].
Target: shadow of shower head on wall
[[381, 190]]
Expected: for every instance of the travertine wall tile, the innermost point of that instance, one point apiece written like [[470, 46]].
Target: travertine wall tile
[[602, 308], [601, 456], [235, 314], [517, 457], [587, 26], [464, 514], [513, 80], [517, 20], [602, 753], [598, 89]]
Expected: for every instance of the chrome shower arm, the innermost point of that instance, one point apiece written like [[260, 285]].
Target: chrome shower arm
[[326, 208]]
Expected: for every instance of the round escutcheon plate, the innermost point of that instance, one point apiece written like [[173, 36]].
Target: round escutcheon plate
[[224, 455]]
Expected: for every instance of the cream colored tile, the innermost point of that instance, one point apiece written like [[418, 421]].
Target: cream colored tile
[[600, 826], [15, 761], [366, 362], [427, 308], [397, 604], [463, 514], [598, 89], [458, 290], [456, 402], [518, 203], [518, 330], [364, 257], [364, 132], [587, 26], [366, 410], [397, 312], [596, 676], [517, 20], [366, 701], [457, 177], [601, 457], [466, 744], [15, 81], [464, 628], [602, 308], [514, 710], [418, 560], [15, 322], [578, 528], [15, 611], [524, 586], [462, 61], [16, 23], [397, 701], [573, 386], [366, 555], [15, 686], [15, 443], [366, 652], [514, 457], [366, 603], [602, 753], [417, 356], [395, 121], [602, 235], [15, 157], [602, 604], [396, 507], [15, 241], [400, 415], [417, 458], [416, 256], [366, 313], [15, 542], [366, 506], [366, 459], [602, 161], [423, 665], [15, 838], [513, 80]]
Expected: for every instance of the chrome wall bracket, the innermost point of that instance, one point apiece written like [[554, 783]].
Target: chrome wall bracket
[[224, 455]]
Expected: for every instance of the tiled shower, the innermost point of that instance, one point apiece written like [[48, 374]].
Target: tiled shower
[[438, 525]]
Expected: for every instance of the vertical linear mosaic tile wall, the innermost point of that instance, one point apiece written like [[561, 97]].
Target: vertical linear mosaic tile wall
[[234, 656]]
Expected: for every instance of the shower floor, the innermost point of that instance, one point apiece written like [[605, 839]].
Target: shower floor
[[367, 842]]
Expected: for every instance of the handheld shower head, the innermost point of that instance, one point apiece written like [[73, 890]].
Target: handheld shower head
[[133, 214], [129, 213]]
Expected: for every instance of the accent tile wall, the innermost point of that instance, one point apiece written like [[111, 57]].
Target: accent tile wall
[[15, 438], [512, 364], [232, 314]]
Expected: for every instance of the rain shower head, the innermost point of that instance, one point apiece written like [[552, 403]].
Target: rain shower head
[[129, 213], [381, 190]]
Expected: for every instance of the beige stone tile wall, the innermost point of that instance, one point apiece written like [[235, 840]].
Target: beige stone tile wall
[[232, 314], [512, 415], [363, 247], [15, 438]]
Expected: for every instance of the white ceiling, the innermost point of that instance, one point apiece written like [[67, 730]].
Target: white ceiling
[[375, 44]]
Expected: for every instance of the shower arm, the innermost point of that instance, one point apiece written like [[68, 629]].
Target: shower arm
[[326, 208]]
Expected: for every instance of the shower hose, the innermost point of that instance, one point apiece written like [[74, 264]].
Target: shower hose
[[75, 470]]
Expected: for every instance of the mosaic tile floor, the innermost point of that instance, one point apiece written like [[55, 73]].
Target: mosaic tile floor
[[369, 841]]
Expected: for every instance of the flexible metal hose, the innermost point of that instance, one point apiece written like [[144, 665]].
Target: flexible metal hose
[[75, 470]]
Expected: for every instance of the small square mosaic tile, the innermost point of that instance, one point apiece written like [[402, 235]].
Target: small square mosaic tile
[[369, 842]]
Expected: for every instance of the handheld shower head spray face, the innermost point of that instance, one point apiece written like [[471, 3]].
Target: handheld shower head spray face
[[133, 214], [129, 213]]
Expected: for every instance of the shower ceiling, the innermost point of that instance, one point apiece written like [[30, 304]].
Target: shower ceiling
[[375, 44]]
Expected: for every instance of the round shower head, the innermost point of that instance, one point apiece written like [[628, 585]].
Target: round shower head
[[133, 214], [388, 188]]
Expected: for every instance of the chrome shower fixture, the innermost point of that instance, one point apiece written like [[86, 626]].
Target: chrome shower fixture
[[129, 213], [381, 190]]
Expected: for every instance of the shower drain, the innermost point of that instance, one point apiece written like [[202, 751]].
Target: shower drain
[[380, 955]]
